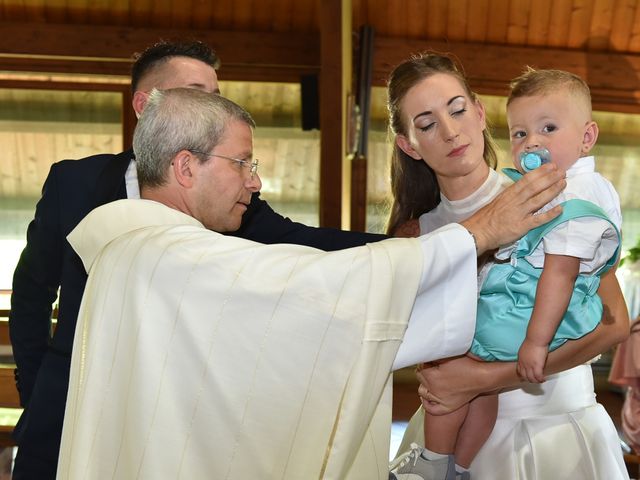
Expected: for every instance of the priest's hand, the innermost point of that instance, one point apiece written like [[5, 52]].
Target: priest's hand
[[511, 214]]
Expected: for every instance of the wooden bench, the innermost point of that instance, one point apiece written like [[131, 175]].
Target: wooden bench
[[10, 409]]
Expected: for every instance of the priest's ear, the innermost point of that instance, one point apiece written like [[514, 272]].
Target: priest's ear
[[182, 168]]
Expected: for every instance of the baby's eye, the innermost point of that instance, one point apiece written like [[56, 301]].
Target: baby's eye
[[518, 134], [549, 128]]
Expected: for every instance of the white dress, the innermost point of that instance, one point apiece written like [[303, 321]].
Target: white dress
[[555, 430]]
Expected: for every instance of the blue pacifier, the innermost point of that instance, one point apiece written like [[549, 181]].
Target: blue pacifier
[[532, 160]]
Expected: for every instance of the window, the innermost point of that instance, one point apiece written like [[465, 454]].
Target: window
[[37, 128]]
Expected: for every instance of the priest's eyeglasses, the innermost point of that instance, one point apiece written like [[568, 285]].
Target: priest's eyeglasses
[[252, 165]]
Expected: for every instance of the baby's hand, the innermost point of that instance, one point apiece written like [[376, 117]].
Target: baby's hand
[[531, 361]]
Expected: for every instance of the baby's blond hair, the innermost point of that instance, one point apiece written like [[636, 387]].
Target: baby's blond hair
[[542, 82]]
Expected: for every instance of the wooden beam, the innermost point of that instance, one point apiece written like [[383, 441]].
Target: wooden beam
[[270, 56], [267, 56], [363, 100], [247, 73], [335, 80], [614, 78]]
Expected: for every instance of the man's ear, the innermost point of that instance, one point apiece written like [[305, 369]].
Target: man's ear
[[182, 168], [590, 137], [139, 101], [406, 147]]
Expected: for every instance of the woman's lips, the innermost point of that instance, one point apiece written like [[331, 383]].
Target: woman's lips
[[456, 152]]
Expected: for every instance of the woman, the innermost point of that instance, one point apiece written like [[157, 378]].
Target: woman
[[441, 173]]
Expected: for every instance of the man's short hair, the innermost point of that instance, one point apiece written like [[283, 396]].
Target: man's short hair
[[543, 82], [163, 51], [180, 119]]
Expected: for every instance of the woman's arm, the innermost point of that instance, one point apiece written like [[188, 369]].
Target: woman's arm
[[453, 383]]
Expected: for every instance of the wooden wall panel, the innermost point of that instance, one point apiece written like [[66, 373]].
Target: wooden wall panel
[[623, 21], [138, 12], [284, 22], [242, 19], [436, 24], [122, 11], [559, 21], [499, 20], [180, 12], [634, 40], [600, 28], [457, 11], [305, 16], [201, 14], [539, 16], [517, 30], [478, 20], [580, 24], [417, 17]]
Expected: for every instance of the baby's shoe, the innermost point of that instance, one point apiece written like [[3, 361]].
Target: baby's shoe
[[414, 466]]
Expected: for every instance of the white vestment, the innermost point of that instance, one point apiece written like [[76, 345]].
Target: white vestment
[[202, 356]]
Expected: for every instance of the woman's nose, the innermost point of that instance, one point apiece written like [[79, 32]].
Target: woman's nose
[[449, 130]]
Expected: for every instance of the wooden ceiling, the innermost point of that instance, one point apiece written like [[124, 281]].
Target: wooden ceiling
[[280, 39]]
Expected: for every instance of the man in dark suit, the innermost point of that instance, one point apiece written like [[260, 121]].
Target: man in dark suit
[[72, 189]]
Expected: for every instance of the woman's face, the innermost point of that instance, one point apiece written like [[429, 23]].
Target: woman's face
[[444, 127]]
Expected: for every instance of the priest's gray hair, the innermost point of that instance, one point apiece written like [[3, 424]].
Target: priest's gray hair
[[180, 119]]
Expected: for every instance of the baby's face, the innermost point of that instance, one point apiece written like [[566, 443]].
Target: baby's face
[[553, 121]]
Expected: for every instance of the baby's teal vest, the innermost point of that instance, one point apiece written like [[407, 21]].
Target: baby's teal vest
[[508, 294]]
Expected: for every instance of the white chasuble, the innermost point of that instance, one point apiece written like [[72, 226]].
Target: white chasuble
[[202, 356]]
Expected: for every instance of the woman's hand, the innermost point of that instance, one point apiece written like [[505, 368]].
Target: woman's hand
[[448, 385]]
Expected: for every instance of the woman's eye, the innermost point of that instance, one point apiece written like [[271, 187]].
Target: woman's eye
[[458, 112], [427, 127]]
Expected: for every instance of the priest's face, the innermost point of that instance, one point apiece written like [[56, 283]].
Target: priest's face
[[223, 185]]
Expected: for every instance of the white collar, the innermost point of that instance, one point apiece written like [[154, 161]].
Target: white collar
[[112, 220], [582, 165]]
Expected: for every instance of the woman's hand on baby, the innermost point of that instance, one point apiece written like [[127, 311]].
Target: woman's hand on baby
[[531, 361]]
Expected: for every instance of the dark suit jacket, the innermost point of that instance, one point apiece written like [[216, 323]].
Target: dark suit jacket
[[72, 189]]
